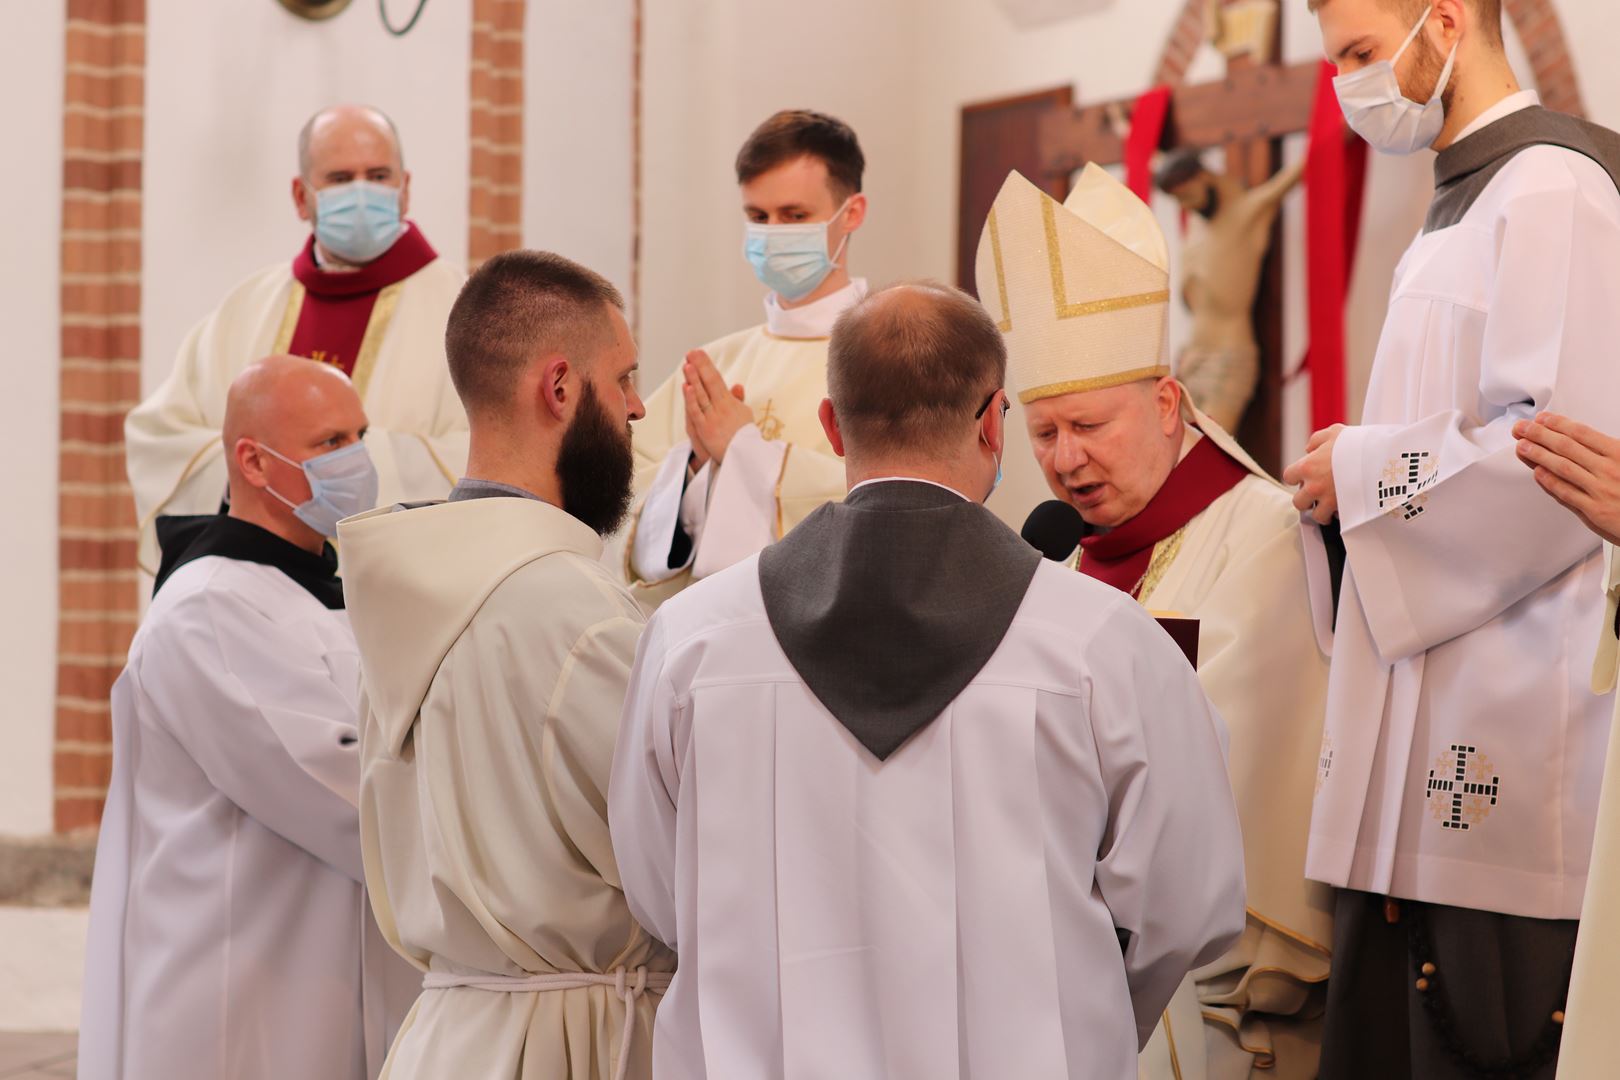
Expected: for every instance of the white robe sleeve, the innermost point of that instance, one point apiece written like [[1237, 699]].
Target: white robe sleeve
[[258, 710], [416, 468], [1318, 583], [173, 449], [670, 502], [581, 715], [1411, 522], [742, 518], [1606, 664], [1170, 867], [645, 788], [421, 465]]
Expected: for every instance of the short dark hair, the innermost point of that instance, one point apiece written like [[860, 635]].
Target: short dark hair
[[908, 367], [519, 305], [797, 133], [1180, 168]]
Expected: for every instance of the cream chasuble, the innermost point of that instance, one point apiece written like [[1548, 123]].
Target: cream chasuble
[[491, 690], [1238, 568], [418, 437], [1591, 1044], [775, 472]]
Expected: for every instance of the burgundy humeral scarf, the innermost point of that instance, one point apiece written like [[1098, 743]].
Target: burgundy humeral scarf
[[1121, 556], [337, 305]]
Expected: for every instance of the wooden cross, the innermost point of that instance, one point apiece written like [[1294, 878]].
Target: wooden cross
[[1248, 113]]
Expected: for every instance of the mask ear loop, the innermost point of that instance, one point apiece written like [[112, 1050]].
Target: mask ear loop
[[1445, 72], [1407, 44], [844, 240], [1006, 407], [297, 465]]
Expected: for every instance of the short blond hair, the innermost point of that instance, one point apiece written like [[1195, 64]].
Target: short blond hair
[[1488, 12]]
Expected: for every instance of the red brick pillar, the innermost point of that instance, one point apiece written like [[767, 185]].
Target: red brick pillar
[[1182, 44], [1552, 69], [101, 381], [495, 183]]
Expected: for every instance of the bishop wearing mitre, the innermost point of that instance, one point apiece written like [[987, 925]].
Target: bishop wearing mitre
[[1177, 515]]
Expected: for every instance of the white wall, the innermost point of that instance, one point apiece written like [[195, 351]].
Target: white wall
[[31, 71], [1592, 28], [577, 134], [228, 87]]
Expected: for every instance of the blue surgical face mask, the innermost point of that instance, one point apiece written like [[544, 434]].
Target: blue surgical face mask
[[357, 221], [342, 484], [1375, 108], [792, 260]]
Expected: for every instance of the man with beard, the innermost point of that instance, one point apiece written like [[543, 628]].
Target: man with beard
[[495, 650], [1463, 742]]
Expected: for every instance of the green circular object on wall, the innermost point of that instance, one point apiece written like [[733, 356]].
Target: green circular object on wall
[[315, 9]]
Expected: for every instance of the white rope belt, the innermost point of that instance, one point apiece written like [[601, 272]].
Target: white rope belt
[[627, 986]]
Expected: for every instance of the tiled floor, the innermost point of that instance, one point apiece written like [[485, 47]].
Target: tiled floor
[[38, 1057]]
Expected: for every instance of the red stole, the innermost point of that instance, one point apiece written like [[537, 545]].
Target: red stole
[[337, 305], [1121, 557]]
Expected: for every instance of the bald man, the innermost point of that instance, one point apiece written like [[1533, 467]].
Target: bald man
[[907, 800], [367, 294], [228, 924]]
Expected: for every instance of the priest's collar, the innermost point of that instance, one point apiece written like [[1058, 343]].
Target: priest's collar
[[1122, 556], [409, 254], [812, 321], [1464, 170], [1509, 105], [908, 480], [469, 487], [186, 539]]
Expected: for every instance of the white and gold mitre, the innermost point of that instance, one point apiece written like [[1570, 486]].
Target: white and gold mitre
[[1080, 290]]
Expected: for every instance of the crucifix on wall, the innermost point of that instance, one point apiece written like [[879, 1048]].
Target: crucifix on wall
[[1248, 114], [1232, 275]]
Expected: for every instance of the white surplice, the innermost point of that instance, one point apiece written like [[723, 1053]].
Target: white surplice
[[418, 436], [1463, 747], [493, 680], [229, 932], [950, 911], [775, 473]]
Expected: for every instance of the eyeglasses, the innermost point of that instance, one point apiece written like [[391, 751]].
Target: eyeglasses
[[1006, 405]]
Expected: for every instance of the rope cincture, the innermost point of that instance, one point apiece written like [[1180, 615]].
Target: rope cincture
[[1542, 1052], [619, 980]]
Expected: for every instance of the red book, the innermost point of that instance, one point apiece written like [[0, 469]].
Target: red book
[[1182, 630]]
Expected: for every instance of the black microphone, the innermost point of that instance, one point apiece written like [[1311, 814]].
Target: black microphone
[[1054, 528]]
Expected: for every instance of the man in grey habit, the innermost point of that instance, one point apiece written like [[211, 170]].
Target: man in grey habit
[[944, 808]]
